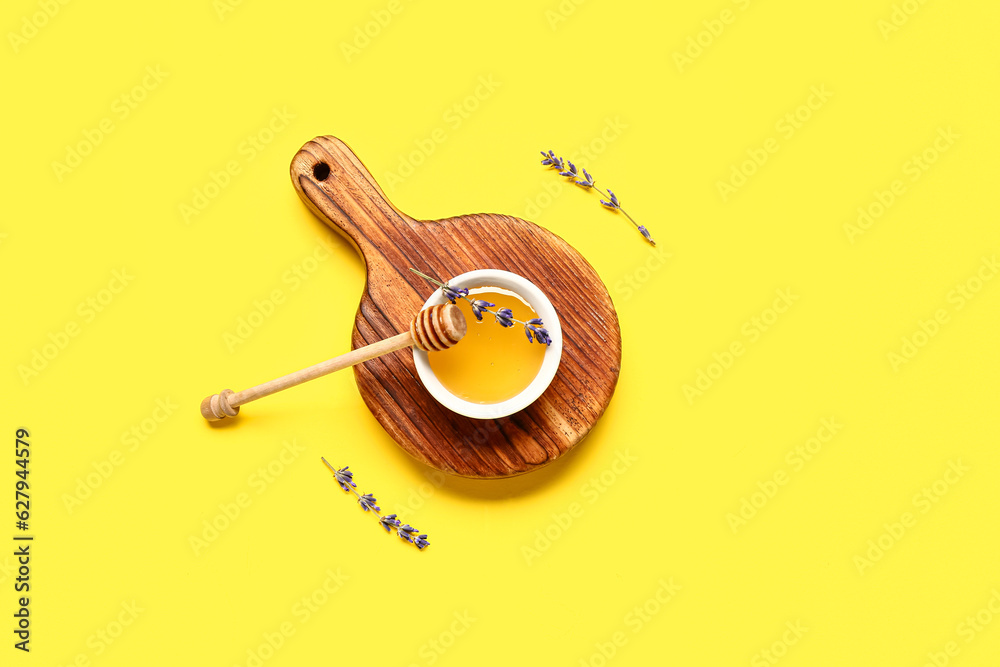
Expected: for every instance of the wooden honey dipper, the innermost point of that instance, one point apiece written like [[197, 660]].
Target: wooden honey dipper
[[433, 329]]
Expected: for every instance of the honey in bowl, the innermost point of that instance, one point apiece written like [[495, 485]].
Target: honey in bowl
[[491, 363]]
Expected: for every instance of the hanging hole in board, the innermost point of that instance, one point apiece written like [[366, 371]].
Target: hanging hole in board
[[321, 170]]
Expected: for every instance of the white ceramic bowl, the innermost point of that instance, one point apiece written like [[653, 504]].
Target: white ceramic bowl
[[550, 362]]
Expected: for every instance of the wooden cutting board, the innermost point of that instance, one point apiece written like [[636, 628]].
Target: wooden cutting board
[[337, 187]]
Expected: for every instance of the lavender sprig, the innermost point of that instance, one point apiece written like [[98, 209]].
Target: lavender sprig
[[479, 307], [505, 317], [587, 183], [409, 533], [614, 201], [552, 160], [453, 294], [368, 503], [533, 328], [345, 478], [389, 522]]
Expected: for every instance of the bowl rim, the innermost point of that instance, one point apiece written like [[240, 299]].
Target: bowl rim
[[543, 308]]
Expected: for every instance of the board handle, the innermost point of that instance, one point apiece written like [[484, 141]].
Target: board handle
[[337, 187]]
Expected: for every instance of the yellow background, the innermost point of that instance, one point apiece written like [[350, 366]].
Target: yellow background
[[561, 75]]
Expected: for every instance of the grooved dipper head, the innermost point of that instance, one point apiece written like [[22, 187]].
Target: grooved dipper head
[[437, 328]]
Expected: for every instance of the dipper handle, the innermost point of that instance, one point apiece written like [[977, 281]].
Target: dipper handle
[[433, 329]]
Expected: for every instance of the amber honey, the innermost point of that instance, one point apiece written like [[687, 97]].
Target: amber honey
[[491, 363]]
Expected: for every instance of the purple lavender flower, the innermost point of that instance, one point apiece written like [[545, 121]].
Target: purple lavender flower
[[367, 502], [645, 233], [344, 477], [534, 326], [614, 201], [569, 172], [552, 160], [409, 534], [451, 293], [406, 532], [479, 307], [505, 317], [588, 180], [389, 522]]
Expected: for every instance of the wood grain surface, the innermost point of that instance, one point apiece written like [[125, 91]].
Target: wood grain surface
[[336, 186]]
